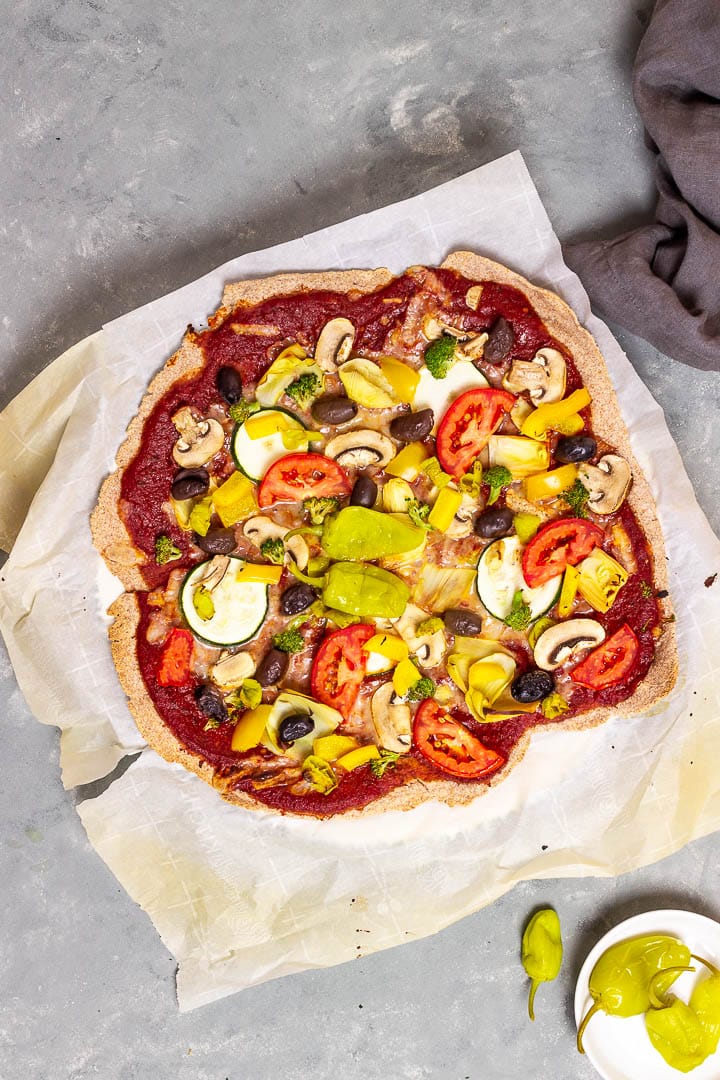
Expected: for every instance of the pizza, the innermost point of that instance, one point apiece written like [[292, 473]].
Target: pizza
[[375, 530]]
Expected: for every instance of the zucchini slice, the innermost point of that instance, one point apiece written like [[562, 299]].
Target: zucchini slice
[[239, 606], [499, 576], [254, 457]]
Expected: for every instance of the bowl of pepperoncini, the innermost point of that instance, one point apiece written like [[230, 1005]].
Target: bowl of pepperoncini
[[647, 1000]]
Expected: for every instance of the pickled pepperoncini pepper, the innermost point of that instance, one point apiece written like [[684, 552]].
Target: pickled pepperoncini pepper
[[541, 951], [673, 1027]]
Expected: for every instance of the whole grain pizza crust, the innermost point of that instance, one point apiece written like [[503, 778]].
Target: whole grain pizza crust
[[125, 561]]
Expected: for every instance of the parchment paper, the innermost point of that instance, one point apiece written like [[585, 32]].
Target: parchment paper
[[242, 897]]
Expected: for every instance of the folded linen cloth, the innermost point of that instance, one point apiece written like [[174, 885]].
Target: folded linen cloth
[[662, 280]]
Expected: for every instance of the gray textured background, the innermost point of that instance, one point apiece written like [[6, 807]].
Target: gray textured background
[[141, 146]]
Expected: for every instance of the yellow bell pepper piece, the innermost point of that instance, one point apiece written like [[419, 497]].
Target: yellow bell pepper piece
[[405, 676], [358, 757], [573, 425], [260, 572], [408, 462], [266, 423], [403, 379], [546, 417], [548, 484], [568, 591], [235, 499], [446, 507], [600, 579], [249, 728], [332, 747], [388, 645]]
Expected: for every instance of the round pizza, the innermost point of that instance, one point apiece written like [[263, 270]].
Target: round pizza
[[375, 530]]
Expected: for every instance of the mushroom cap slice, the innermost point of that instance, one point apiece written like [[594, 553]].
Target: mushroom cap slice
[[260, 528], [565, 640], [462, 524], [434, 328], [608, 483], [232, 669], [335, 343], [391, 719], [472, 296], [543, 377], [360, 448], [199, 439]]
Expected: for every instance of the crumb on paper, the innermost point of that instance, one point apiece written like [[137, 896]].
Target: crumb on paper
[[710, 580]]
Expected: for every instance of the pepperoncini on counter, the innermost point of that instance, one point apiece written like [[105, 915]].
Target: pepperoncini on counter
[[542, 951]]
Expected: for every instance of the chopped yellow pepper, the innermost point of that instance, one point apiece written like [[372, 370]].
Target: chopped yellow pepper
[[446, 507], [267, 423], [388, 645], [405, 676], [408, 462], [403, 379], [260, 572], [568, 591], [573, 425], [548, 484], [249, 728], [600, 579], [547, 417], [332, 747], [235, 499], [358, 757]]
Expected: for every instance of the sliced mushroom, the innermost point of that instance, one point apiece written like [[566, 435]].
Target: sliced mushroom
[[608, 483], [334, 344], [215, 571], [434, 328], [261, 528], [428, 649], [543, 376], [472, 296], [565, 640], [391, 719], [200, 439], [462, 524], [232, 669], [358, 449], [474, 347]]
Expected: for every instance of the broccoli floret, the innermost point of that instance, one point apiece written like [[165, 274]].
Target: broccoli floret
[[273, 549], [240, 411], [418, 512], [497, 478], [645, 590], [423, 688], [166, 551], [519, 617], [304, 389], [289, 641], [388, 759], [576, 497], [439, 356], [319, 506]]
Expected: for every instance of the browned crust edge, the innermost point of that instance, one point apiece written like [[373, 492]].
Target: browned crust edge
[[110, 535]]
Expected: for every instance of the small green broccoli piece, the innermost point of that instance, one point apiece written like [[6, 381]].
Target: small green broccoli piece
[[388, 759], [273, 550], [519, 617], [240, 411], [319, 506], [418, 512], [429, 626], [289, 641], [645, 590], [247, 696], [439, 356], [423, 688], [576, 497], [166, 551], [304, 389], [497, 478]]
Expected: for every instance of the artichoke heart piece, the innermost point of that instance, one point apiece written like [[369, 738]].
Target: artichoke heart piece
[[522, 456], [365, 384], [600, 579], [487, 679]]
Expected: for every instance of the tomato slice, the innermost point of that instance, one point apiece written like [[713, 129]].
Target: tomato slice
[[610, 663], [450, 746], [561, 543], [339, 667], [301, 476], [174, 666], [468, 424]]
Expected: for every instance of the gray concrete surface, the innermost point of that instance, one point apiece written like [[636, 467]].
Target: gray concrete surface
[[141, 146]]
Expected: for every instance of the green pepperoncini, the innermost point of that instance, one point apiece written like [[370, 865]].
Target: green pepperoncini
[[541, 951]]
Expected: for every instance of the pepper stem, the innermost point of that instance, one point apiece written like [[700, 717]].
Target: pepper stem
[[660, 1001], [585, 1021], [304, 530], [531, 999], [316, 582], [711, 967]]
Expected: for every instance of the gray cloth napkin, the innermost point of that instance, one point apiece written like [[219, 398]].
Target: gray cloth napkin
[[662, 281]]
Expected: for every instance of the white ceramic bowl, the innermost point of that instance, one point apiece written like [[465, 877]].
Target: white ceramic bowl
[[619, 1047]]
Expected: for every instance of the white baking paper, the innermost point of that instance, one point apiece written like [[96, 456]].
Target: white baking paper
[[240, 897]]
